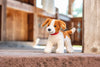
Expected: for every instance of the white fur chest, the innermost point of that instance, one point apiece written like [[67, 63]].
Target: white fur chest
[[55, 38]]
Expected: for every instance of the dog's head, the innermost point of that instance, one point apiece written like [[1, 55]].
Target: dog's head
[[53, 25]]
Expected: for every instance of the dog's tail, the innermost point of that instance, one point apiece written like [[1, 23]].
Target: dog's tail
[[71, 31]]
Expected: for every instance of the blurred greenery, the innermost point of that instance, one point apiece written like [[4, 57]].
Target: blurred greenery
[[63, 9], [77, 46], [78, 8]]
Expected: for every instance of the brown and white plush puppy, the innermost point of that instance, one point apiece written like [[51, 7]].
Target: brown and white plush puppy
[[58, 37]]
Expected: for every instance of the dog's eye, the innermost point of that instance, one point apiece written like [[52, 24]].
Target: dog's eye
[[48, 25], [55, 26]]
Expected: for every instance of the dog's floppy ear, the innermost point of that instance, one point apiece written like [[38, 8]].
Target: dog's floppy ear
[[62, 24], [47, 20]]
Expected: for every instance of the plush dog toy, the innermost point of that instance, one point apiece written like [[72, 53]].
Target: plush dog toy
[[58, 37]]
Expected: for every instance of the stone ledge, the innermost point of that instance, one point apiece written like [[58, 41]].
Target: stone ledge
[[37, 58]]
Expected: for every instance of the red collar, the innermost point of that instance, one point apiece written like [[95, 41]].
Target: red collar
[[54, 33]]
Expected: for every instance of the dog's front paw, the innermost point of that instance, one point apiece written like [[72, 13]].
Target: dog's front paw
[[59, 51], [47, 51]]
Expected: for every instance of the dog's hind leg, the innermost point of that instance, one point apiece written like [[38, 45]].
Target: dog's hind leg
[[68, 45]]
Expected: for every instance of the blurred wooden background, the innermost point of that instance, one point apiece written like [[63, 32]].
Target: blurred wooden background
[[20, 20]]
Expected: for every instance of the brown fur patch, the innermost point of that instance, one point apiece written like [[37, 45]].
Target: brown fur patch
[[62, 24], [67, 33], [57, 26], [49, 22]]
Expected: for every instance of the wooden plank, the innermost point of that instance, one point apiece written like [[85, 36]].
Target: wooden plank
[[26, 1], [24, 27], [70, 6], [43, 13], [0, 20], [57, 13], [30, 27], [83, 30], [16, 26], [77, 36], [20, 6], [9, 25], [3, 21], [31, 2], [64, 17], [92, 26], [76, 19], [28, 8]]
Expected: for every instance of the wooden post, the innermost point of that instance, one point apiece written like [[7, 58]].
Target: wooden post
[[92, 26], [30, 27], [70, 7], [57, 13], [35, 20], [3, 23]]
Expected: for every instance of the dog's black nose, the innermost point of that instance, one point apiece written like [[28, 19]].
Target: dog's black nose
[[49, 29]]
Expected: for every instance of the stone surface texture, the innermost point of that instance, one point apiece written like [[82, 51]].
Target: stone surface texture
[[36, 58]]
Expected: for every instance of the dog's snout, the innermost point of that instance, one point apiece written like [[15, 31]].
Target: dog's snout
[[49, 29]]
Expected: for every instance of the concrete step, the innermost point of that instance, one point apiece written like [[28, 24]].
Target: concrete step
[[36, 58]]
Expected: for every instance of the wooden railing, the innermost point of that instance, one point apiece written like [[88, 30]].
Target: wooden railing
[[77, 36]]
